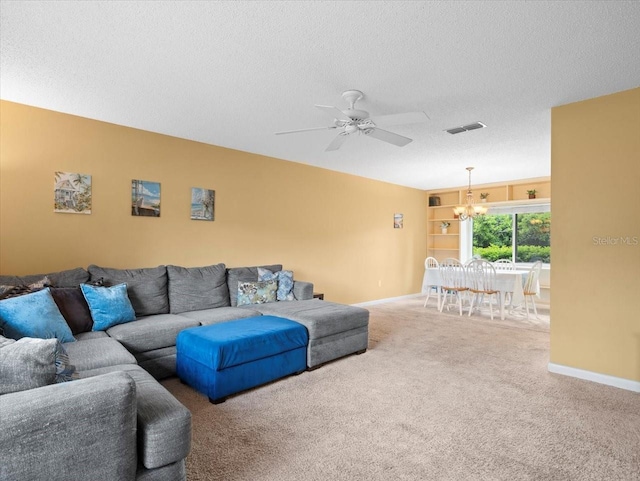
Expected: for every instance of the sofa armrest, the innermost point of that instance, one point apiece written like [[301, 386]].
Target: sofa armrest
[[302, 290], [83, 429]]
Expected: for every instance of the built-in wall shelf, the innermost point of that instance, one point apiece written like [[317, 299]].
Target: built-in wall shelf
[[500, 195]]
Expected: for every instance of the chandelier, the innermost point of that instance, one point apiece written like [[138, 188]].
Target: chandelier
[[470, 210]]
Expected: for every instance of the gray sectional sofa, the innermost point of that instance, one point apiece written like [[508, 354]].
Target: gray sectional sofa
[[117, 421]]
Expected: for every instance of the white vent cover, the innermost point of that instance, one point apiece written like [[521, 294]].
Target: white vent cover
[[466, 128]]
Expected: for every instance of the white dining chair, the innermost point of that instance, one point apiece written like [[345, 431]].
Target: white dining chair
[[481, 277], [531, 287], [504, 265], [452, 276], [431, 263]]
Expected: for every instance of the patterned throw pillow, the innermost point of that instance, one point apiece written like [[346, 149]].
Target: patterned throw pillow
[[5, 291], [259, 292], [285, 282], [14, 291], [65, 371]]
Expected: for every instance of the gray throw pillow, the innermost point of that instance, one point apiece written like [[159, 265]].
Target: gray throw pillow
[[146, 288], [26, 364], [244, 274], [197, 288]]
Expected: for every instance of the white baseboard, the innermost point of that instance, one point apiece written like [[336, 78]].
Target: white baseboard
[[618, 382], [382, 301]]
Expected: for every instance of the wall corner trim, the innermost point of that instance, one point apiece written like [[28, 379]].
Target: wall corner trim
[[618, 382]]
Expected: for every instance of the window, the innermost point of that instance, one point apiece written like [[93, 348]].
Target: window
[[522, 234], [533, 237]]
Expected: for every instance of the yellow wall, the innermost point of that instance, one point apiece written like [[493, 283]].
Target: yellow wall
[[333, 229], [595, 185]]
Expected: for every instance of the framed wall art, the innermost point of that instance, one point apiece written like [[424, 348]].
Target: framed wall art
[[72, 193], [203, 204], [145, 198]]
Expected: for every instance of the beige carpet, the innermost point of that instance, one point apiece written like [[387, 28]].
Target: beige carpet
[[436, 397]]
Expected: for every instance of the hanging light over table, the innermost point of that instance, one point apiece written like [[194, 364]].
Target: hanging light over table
[[470, 210]]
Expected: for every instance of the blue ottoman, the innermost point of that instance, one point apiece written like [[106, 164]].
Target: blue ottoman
[[226, 358]]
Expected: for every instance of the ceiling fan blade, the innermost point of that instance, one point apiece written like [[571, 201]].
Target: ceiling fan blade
[[400, 119], [306, 130], [337, 142], [335, 112], [387, 136]]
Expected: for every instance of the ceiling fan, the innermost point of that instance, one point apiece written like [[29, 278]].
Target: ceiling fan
[[352, 120]]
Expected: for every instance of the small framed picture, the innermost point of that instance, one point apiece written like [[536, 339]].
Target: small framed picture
[[203, 204], [398, 220], [72, 193], [145, 198]]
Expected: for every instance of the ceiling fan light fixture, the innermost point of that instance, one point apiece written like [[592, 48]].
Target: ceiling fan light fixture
[[354, 120]]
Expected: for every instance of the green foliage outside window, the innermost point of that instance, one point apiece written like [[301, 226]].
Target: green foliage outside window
[[525, 253], [492, 237], [492, 230]]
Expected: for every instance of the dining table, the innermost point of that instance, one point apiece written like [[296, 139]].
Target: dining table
[[511, 281]]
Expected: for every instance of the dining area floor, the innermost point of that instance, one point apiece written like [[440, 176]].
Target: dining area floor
[[517, 315]]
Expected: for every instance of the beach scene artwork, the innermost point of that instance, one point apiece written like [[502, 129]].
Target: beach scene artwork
[[145, 198], [202, 204], [398, 220], [72, 193]]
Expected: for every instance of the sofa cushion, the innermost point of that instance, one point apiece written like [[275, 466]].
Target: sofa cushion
[[160, 363], [67, 278], [84, 336], [90, 354], [244, 274], [197, 288], [34, 315], [31, 363], [321, 318], [147, 287], [73, 307], [257, 292], [148, 333], [221, 314], [108, 305], [164, 424], [84, 430]]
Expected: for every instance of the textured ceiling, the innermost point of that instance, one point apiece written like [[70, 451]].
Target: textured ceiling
[[234, 73]]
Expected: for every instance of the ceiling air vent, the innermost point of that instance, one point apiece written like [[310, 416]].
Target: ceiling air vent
[[466, 128]]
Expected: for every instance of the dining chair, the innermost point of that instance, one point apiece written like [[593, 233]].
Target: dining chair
[[481, 276], [452, 276], [504, 265], [431, 263], [531, 287]]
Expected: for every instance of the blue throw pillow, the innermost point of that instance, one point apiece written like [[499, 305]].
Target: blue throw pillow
[[108, 305], [34, 315], [285, 282]]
